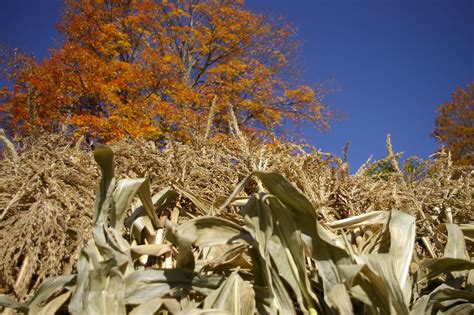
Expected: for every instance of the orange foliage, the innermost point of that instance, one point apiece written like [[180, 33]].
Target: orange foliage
[[455, 125], [148, 68]]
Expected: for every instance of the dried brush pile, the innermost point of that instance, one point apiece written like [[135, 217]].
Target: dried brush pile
[[48, 190]]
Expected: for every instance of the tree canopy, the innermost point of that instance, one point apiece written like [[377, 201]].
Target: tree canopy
[[455, 125], [148, 68]]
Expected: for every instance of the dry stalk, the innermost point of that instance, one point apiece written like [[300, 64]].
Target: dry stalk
[[428, 246], [396, 166], [210, 117], [22, 273], [449, 214], [9, 145], [244, 143], [364, 166], [238, 132], [391, 155]]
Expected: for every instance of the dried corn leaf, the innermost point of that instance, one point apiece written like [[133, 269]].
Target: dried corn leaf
[[8, 302], [54, 305], [48, 289], [122, 199], [234, 295], [374, 217], [143, 285], [445, 300], [439, 266], [152, 306], [104, 156], [156, 250], [274, 297]]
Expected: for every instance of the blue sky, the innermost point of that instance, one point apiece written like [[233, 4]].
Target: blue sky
[[393, 62]]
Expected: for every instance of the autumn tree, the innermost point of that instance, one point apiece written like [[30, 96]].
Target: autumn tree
[[455, 125], [14, 65], [148, 68]]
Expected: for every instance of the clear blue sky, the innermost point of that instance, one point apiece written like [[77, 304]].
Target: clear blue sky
[[394, 62]]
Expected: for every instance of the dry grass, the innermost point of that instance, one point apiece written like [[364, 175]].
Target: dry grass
[[48, 191]]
